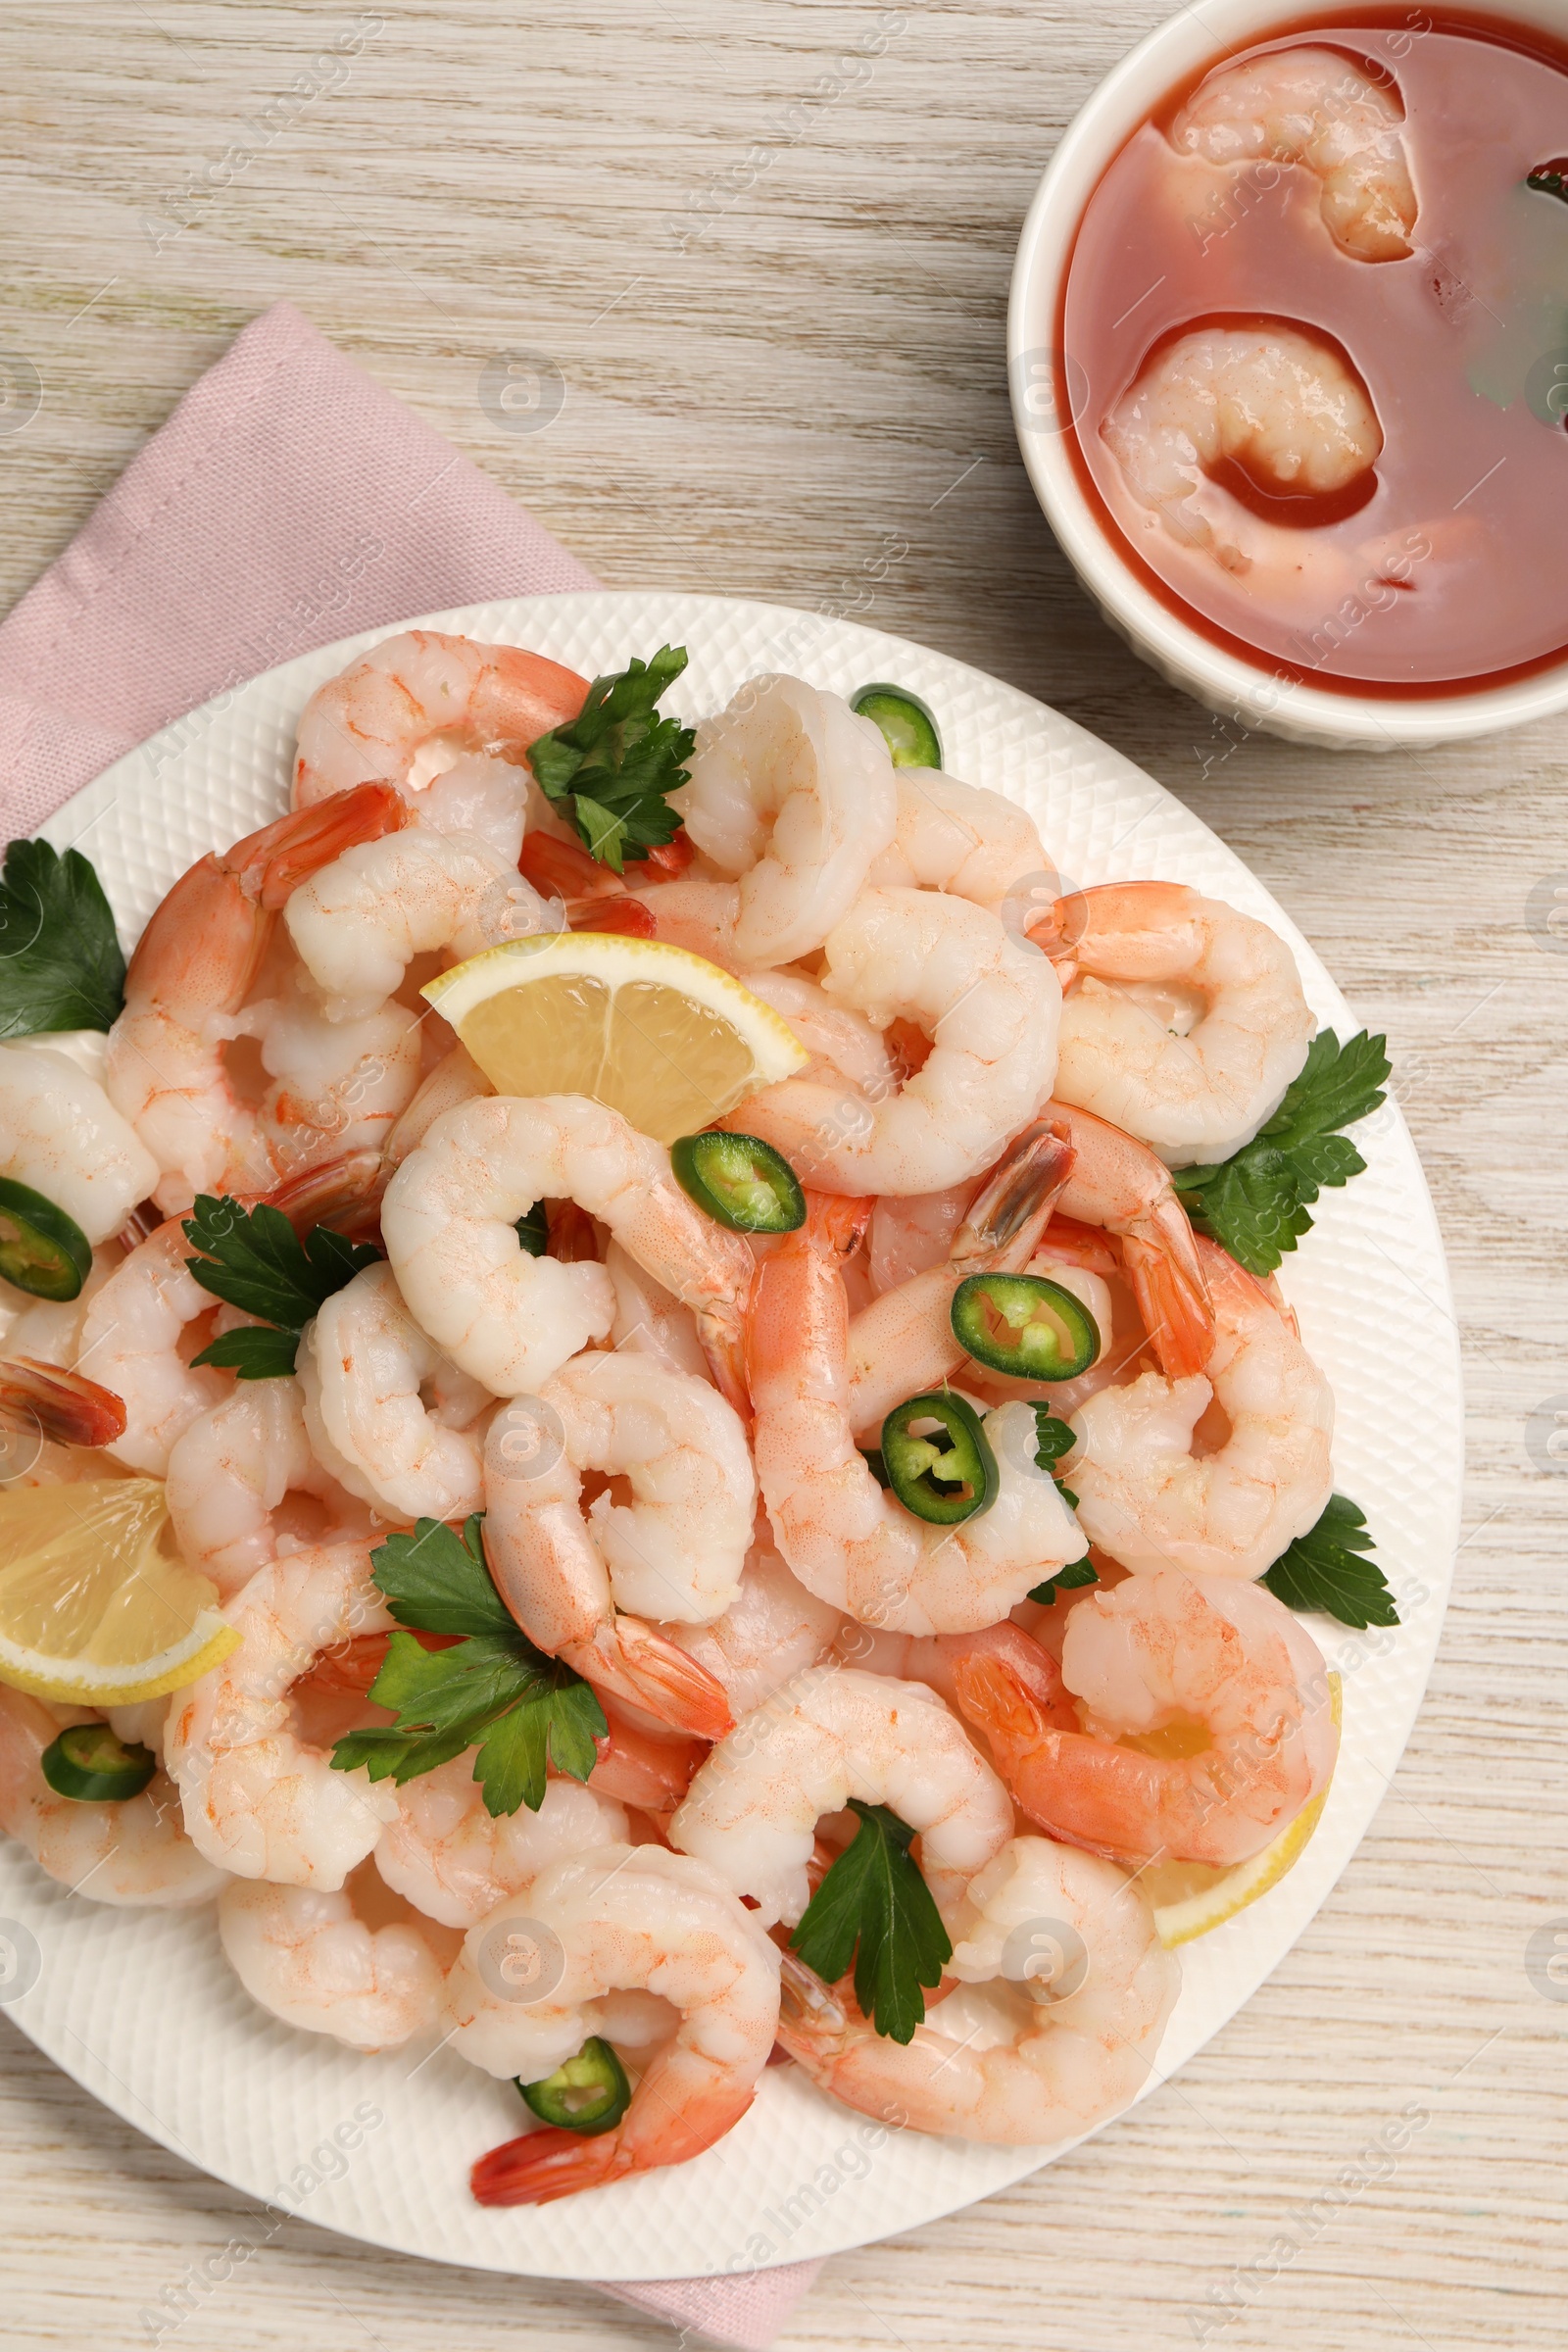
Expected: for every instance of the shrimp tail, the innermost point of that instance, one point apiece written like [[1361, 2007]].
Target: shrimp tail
[[542, 2166], [1013, 1207], [636, 1768], [722, 1332], [1008, 1683], [636, 1662], [811, 2018], [269, 866], [66, 1408], [1169, 1285]]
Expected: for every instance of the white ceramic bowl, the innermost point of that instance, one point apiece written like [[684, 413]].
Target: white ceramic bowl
[[1043, 389]]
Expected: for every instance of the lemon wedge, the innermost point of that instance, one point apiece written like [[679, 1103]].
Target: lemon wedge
[[96, 1604], [663, 1036], [1191, 1898]]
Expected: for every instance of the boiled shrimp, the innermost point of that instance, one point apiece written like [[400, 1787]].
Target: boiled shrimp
[[650, 1321], [850, 1542], [62, 1136], [187, 982], [1077, 1992], [586, 1587], [445, 720], [229, 1473], [306, 1955], [1151, 1500], [771, 1630], [1190, 1718], [450, 1221], [455, 1080], [336, 1087], [455, 1861], [388, 1413], [1319, 108], [1186, 1022], [131, 1344], [989, 1003], [956, 837], [134, 1853], [260, 1800], [1118, 1185], [845, 1039], [830, 1733], [620, 1919]]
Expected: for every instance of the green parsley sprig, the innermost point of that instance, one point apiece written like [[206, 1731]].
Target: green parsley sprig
[[1255, 1203], [1053, 1441], [491, 1689], [612, 765], [254, 1259], [60, 961], [875, 1908], [1325, 1570]]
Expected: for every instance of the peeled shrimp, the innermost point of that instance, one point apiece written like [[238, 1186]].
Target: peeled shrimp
[[956, 837], [260, 1800], [130, 1344], [1185, 1022], [834, 1033], [61, 1134], [1051, 2059], [447, 721], [990, 1005], [826, 1735], [455, 1080], [620, 1919], [358, 922], [772, 1630], [450, 1221], [1149, 1500], [584, 1587], [230, 1472], [849, 1542], [1287, 408], [1316, 108], [133, 1854], [364, 1368], [304, 1953], [791, 796], [1222, 1667], [456, 1861], [650, 1321], [337, 1087]]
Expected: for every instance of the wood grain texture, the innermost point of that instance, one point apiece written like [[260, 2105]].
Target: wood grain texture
[[766, 243]]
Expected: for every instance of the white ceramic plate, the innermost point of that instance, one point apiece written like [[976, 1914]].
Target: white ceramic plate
[[140, 2006]]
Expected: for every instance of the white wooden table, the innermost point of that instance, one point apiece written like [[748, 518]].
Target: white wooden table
[[766, 243]]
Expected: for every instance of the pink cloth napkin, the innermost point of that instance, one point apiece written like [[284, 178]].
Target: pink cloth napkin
[[287, 502]]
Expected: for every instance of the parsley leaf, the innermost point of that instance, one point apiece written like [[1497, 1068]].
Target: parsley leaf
[[60, 961], [1255, 1203], [1324, 1570], [255, 1353], [255, 1260], [1065, 1579], [1053, 1440], [491, 1689], [615, 763], [874, 1906]]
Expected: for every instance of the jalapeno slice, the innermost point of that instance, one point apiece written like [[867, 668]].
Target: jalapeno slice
[[590, 2094], [739, 1181], [42, 1251], [87, 1762], [533, 1231], [908, 727], [944, 1474], [1025, 1325]]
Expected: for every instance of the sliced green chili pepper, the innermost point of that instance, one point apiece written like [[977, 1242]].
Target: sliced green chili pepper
[[42, 1251], [87, 1762], [533, 1231], [590, 2094], [909, 726], [945, 1474], [739, 1181], [1025, 1325]]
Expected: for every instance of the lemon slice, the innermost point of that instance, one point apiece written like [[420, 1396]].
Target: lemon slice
[[1191, 1898], [96, 1605], [663, 1036]]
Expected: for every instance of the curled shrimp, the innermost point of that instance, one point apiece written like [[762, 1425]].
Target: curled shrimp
[[956, 837], [619, 1919], [133, 1853], [789, 798], [1077, 1990], [455, 1861], [771, 1630], [450, 1220], [1185, 1022], [187, 982], [357, 923], [1316, 108], [1152, 1501], [308, 1956], [229, 1473], [650, 1321], [990, 1005], [61, 1134], [1117, 1184], [830, 1733], [1191, 1719], [850, 1542], [585, 1588], [1286, 409], [336, 1086], [443, 719], [132, 1343], [388, 1413], [455, 1079], [261, 1799]]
